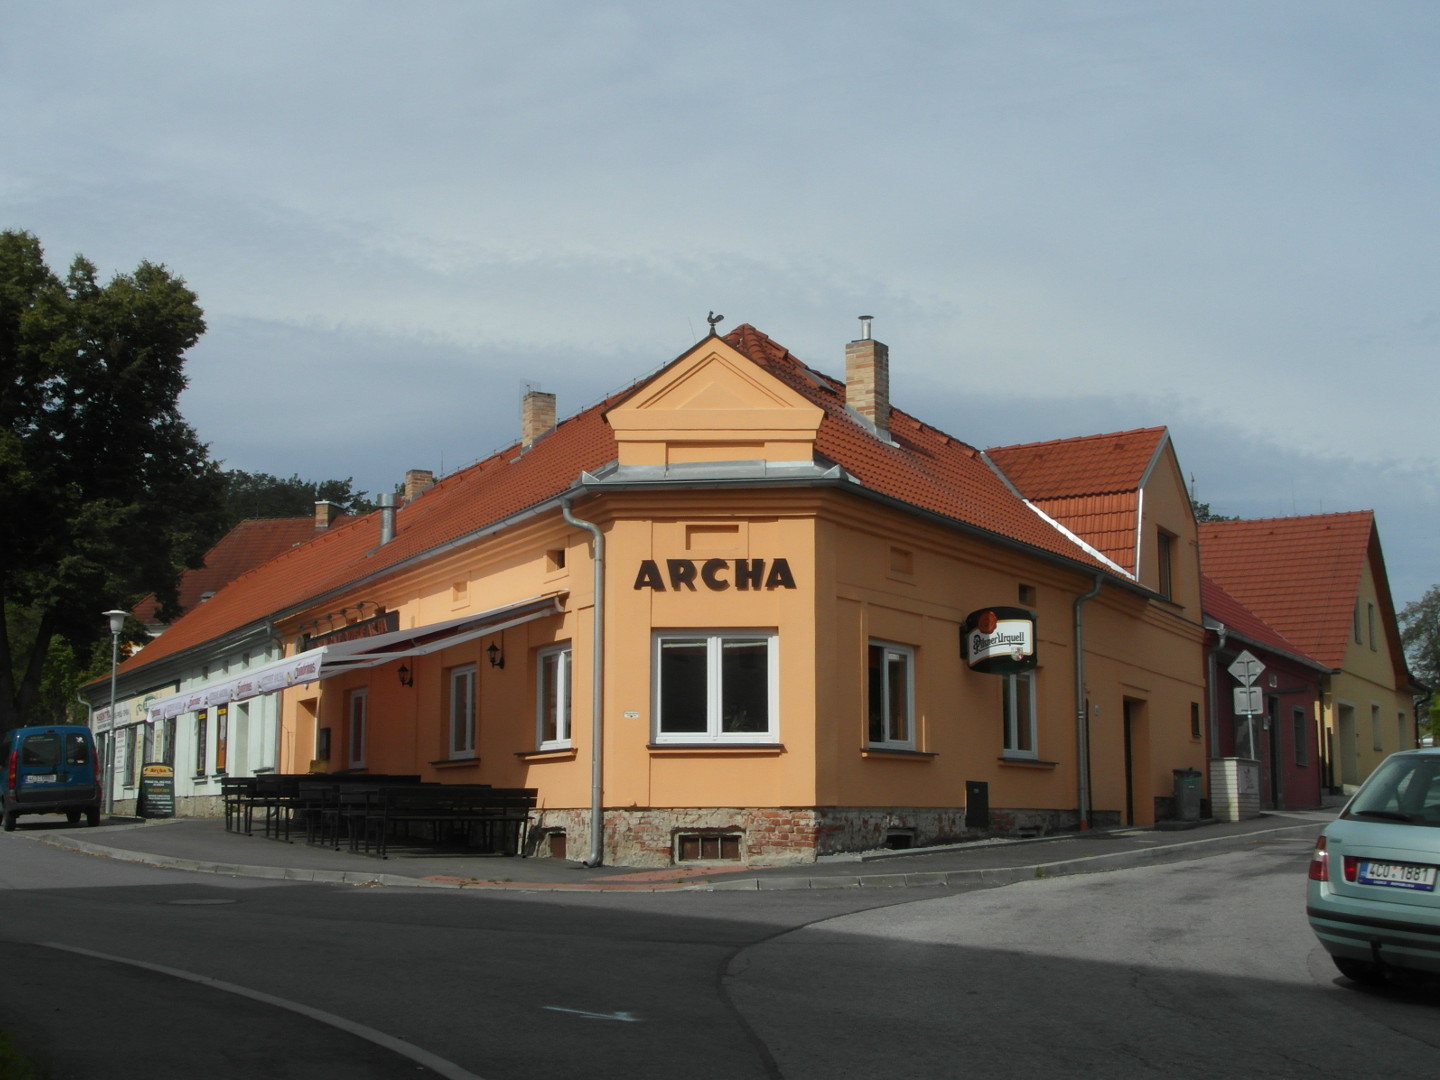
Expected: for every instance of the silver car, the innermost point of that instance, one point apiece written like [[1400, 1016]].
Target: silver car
[[1372, 897]]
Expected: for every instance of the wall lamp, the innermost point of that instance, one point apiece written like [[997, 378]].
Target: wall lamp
[[497, 658], [405, 675]]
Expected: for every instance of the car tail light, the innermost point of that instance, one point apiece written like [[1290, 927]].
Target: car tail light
[[1320, 862], [10, 772]]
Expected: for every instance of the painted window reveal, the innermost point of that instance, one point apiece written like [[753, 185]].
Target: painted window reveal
[[202, 728], [1019, 713], [460, 683], [715, 687], [356, 702], [553, 698], [890, 695], [222, 738]]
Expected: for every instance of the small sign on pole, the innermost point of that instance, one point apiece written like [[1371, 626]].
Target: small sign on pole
[[1248, 701], [1246, 668]]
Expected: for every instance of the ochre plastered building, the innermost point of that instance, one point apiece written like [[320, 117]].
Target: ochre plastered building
[[750, 580]]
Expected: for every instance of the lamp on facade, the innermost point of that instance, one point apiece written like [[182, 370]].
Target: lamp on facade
[[117, 624], [406, 678], [497, 658]]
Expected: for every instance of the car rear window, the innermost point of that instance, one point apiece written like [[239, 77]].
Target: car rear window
[[1404, 790], [44, 749]]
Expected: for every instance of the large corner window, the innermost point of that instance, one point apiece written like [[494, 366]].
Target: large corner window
[[356, 702], [460, 685], [1018, 697], [552, 697], [890, 696], [717, 687]]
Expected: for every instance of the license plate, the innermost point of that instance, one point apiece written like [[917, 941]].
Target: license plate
[[40, 778], [1398, 875]]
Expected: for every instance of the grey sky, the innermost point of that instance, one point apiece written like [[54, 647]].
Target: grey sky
[[1066, 217]]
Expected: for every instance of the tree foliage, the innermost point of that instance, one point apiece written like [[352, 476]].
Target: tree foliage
[[260, 495], [108, 493], [1420, 634], [1204, 513]]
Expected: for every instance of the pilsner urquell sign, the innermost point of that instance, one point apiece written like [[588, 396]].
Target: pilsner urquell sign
[[999, 640]]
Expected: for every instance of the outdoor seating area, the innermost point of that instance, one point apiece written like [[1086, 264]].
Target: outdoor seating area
[[370, 813]]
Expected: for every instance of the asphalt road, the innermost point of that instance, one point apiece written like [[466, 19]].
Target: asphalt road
[[1199, 968]]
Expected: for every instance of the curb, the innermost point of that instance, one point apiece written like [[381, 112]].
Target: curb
[[1009, 875], [982, 877]]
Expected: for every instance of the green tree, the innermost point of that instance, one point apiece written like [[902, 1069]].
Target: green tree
[[108, 493], [1420, 635], [1204, 513], [260, 495]]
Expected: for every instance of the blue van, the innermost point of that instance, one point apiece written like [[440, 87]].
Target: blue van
[[49, 770]]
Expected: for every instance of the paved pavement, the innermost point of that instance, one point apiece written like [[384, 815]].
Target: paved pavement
[[202, 844]]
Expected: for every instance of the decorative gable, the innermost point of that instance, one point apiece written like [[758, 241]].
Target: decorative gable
[[714, 404]]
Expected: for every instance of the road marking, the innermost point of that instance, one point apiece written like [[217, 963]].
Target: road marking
[[627, 1017], [445, 1068]]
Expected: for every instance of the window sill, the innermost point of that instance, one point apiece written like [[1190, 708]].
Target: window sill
[[895, 752], [1028, 762], [745, 749], [558, 753], [456, 763]]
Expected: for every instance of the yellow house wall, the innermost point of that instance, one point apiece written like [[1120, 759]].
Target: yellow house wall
[[1383, 713]]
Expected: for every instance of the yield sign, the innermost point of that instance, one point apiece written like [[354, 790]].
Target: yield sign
[[1246, 668]]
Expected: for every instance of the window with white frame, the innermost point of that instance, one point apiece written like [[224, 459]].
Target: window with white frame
[[890, 696], [460, 689], [717, 686], [356, 708], [1018, 705], [552, 698]]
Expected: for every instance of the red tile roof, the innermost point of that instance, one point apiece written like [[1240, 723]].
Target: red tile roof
[[243, 548], [1220, 605], [1092, 465], [1091, 485], [926, 469], [1300, 574]]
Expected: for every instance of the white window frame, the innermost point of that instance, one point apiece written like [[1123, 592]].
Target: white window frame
[[714, 641], [357, 723], [552, 696], [461, 684], [889, 652], [1015, 724]]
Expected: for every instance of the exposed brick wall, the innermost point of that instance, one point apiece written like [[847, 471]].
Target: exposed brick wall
[[781, 836]]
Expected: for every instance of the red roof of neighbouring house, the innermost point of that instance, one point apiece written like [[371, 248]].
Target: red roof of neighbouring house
[[924, 468], [1301, 575], [243, 548], [1224, 608], [1091, 485]]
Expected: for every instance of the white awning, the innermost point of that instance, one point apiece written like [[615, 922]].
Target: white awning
[[420, 640], [329, 660]]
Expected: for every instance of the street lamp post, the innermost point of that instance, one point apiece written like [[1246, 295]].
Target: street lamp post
[[117, 624]]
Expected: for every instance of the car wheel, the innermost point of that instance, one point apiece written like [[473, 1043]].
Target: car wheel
[[9, 821], [92, 816], [72, 816], [1361, 971]]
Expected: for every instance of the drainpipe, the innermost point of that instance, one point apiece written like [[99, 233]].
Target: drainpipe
[[597, 683], [1082, 737]]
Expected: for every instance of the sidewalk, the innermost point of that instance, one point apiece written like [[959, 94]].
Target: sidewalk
[[202, 844]]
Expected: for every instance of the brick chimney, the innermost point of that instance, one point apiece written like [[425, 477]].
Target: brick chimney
[[537, 416], [325, 515], [416, 481], [867, 378]]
